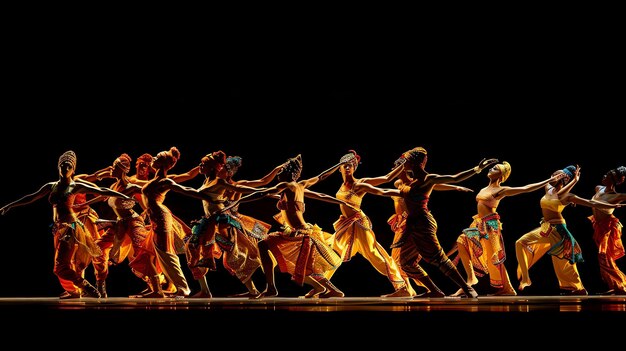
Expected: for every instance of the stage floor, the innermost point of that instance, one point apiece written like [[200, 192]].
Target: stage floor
[[482, 304], [614, 303], [360, 321]]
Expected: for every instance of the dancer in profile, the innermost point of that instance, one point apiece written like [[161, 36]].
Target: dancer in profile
[[420, 235], [128, 235], [553, 237], [607, 231], [481, 246], [167, 231], [69, 232], [397, 222], [353, 229], [300, 249], [220, 233]]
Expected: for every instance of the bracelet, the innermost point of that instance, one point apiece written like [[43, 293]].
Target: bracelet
[[477, 169]]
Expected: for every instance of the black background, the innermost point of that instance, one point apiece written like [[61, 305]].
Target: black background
[[540, 100]]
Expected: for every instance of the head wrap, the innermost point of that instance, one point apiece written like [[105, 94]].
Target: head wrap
[[505, 170], [417, 155], [351, 157], [147, 158], [232, 164], [68, 156], [569, 171], [123, 162], [215, 160]]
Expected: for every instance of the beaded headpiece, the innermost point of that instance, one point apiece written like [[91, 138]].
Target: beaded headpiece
[[417, 155], [68, 156], [351, 157], [232, 164]]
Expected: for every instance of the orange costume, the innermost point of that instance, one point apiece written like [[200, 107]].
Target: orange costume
[[301, 252]]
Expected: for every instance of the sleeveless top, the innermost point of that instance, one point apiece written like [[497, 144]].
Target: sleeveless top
[[551, 204], [350, 197], [488, 200], [412, 198]]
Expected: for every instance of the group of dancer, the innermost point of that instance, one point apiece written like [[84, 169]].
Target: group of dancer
[[145, 232]]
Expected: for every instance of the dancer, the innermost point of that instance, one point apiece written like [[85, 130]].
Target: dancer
[[300, 248], [127, 234], [420, 235], [481, 246], [607, 231], [553, 237], [397, 222], [167, 231], [254, 229], [69, 232], [353, 229], [220, 233]]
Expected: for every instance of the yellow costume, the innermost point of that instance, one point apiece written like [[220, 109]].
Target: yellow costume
[[555, 240], [354, 235], [483, 242]]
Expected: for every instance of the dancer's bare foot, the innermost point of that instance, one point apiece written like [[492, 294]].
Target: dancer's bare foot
[[254, 293], [314, 293], [401, 292], [331, 293], [458, 293], [269, 292], [505, 292], [152, 295], [169, 288], [470, 292], [201, 295], [523, 284], [433, 294]]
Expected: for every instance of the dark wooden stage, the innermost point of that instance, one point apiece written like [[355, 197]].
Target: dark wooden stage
[[482, 304], [363, 318]]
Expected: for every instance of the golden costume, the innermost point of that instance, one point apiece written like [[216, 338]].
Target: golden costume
[[354, 235], [484, 243], [555, 240]]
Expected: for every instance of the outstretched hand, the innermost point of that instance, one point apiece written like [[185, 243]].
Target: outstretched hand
[[464, 189], [484, 163], [558, 176]]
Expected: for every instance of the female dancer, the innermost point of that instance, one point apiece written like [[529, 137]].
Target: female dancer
[[166, 229], [607, 232], [69, 232], [130, 228], [481, 246], [553, 237], [420, 235], [353, 229], [397, 222], [300, 248], [220, 232]]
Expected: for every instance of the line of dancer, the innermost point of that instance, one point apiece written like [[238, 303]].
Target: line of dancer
[[162, 249]]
